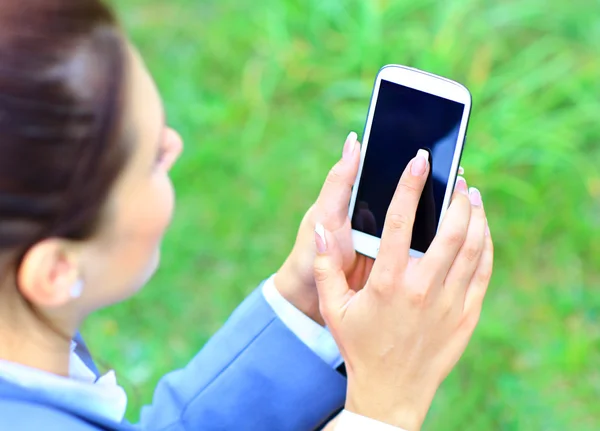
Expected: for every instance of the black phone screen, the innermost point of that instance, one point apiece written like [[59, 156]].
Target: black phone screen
[[406, 120]]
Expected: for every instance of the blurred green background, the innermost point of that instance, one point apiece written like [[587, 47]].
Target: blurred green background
[[264, 94]]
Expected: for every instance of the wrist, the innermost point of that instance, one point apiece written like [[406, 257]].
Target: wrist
[[405, 414], [299, 294]]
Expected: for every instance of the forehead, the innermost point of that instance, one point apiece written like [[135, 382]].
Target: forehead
[[143, 106]]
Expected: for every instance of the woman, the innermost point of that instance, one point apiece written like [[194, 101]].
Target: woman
[[85, 198]]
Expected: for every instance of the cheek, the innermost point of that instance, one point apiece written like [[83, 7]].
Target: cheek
[[149, 214], [156, 211], [136, 253], [153, 216]]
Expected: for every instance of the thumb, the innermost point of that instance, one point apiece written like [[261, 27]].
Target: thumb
[[334, 197], [331, 282]]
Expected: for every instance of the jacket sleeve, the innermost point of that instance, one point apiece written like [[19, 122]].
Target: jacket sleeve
[[254, 374]]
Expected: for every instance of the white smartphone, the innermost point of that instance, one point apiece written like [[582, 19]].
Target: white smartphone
[[409, 110]]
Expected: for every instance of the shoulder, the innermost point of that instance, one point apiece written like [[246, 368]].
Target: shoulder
[[21, 415]]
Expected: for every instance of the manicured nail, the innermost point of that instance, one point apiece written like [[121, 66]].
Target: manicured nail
[[320, 238], [475, 197], [419, 164], [461, 170], [349, 146], [461, 186]]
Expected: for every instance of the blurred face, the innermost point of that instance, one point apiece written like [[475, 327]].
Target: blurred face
[[125, 253]]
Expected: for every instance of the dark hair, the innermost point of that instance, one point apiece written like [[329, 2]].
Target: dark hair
[[62, 72]]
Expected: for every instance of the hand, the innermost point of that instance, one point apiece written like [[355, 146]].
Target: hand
[[295, 280], [403, 333]]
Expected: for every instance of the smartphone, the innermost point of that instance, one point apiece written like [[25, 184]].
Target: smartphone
[[409, 110]]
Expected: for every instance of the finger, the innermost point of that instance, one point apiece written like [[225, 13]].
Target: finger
[[329, 275], [461, 170], [461, 185], [481, 279], [451, 236], [335, 194], [466, 262], [397, 229]]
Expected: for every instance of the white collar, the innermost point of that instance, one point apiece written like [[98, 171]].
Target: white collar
[[80, 391]]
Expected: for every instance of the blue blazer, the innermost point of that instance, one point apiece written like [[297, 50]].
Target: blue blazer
[[254, 374]]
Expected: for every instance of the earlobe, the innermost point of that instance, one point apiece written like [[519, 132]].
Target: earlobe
[[77, 289], [48, 276]]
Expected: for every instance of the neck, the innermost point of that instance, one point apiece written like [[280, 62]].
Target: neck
[[31, 339]]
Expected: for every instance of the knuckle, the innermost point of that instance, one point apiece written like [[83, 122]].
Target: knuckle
[[455, 237], [335, 175], [417, 296], [384, 280], [472, 251], [418, 290], [484, 275], [320, 271], [398, 221], [407, 187], [485, 270]]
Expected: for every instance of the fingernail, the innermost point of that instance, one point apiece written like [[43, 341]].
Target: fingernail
[[419, 164], [461, 170], [349, 146], [320, 238], [461, 186], [475, 197]]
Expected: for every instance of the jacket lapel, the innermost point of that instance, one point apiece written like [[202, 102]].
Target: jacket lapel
[[84, 354]]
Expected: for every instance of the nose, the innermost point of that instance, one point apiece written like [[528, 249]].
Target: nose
[[174, 140], [174, 145]]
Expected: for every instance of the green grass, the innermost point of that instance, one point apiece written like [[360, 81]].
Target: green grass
[[264, 94]]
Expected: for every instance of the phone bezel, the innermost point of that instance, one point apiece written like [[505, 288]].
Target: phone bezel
[[429, 83]]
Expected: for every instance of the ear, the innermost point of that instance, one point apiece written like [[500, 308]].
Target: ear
[[48, 272]]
